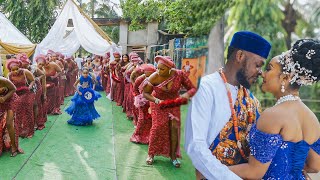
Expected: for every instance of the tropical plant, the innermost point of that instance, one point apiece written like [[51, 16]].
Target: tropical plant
[[139, 12], [105, 11], [262, 17], [40, 18], [17, 11], [194, 17]]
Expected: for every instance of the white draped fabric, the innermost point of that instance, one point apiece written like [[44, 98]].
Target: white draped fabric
[[12, 41], [10, 34], [60, 39]]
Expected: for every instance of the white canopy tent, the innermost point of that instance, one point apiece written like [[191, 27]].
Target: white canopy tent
[[85, 33], [10, 34], [12, 41]]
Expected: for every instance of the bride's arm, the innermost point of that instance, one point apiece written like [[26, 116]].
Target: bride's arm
[[252, 170], [258, 165], [313, 159]]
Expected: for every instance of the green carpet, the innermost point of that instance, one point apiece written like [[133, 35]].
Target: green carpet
[[101, 151], [130, 157]]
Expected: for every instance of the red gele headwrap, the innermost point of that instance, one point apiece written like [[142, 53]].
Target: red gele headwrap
[[23, 58], [41, 58], [136, 59], [133, 54], [147, 68], [13, 62], [116, 54], [165, 60], [51, 52], [60, 55], [107, 55]]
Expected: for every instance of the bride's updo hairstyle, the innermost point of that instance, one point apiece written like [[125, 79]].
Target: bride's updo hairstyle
[[302, 63]]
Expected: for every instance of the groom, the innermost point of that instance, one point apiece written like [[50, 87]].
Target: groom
[[223, 110]]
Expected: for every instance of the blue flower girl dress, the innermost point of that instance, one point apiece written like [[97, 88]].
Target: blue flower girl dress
[[82, 107]]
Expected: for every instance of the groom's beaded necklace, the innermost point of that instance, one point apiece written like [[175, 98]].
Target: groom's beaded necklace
[[233, 113]]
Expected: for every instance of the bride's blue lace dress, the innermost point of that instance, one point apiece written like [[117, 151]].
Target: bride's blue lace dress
[[82, 112], [288, 158]]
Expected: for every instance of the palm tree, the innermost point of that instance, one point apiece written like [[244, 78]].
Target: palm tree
[[301, 18], [105, 11], [316, 16]]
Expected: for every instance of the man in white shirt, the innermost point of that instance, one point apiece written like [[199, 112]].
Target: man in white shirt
[[79, 62], [215, 134]]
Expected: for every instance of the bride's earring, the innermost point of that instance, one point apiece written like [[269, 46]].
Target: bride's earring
[[170, 71], [282, 87]]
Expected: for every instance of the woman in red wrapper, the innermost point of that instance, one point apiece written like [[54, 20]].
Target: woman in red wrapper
[[58, 59], [120, 93], [8, 103], [39, 111], [128, 100], [141, 133], [136, 72], [165, 84], [115, 76], [24, 82], [74, 74], [52, 71], [71, 68], [126, 84], [106, 81]]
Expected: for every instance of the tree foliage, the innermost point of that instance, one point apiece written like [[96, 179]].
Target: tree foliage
[[194, 17], [40, 18], [17, 10], [206, 13], [262, 17], [308, 19], [140, 12], [90, 7], [105, 11]]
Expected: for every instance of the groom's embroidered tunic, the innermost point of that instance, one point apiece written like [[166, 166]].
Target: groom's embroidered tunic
[[209, 137], [225, 147]]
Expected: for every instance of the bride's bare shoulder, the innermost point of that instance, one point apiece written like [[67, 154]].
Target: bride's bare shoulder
[[270, 120]]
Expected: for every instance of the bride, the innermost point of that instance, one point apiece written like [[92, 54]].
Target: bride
[[285, 142]]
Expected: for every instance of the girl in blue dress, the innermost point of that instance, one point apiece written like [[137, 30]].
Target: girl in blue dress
[[82, 107]]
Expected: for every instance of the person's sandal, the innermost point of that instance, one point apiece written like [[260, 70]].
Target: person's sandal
[[16, 152], [150, 160], [176, 163]]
